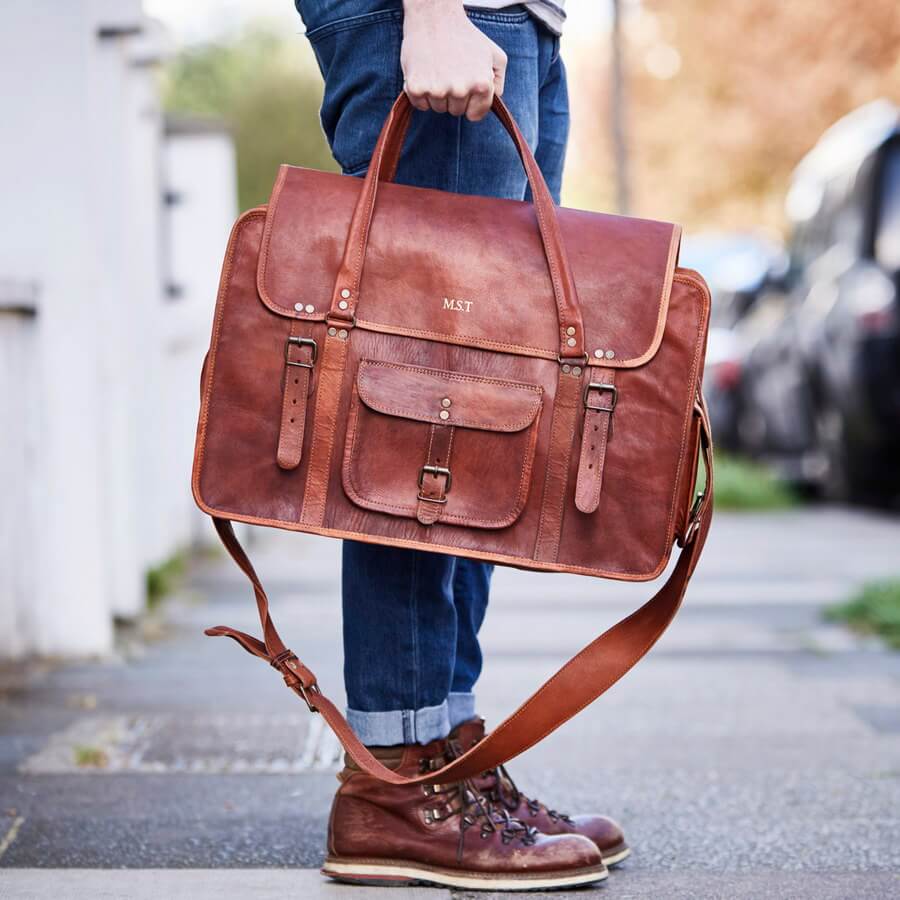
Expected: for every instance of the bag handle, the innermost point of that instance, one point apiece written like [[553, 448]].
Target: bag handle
[[577, 684], [383, 164]]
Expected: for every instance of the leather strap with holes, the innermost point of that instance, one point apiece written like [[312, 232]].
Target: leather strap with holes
[[299, 359], [599, 405]]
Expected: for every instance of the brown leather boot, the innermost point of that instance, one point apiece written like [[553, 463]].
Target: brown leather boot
[[501, 790], [443, 834]]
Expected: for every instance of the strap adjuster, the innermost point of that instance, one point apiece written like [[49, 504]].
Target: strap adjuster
[[601, 386], [694, 518], [435, 470], [301, 342]]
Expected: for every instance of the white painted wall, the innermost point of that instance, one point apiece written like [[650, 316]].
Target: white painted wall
[[98, 389]]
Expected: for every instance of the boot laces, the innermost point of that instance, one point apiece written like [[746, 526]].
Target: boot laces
[[463, 798], [505, 792]]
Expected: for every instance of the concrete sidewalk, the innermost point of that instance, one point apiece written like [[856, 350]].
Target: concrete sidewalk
[[754, 753]]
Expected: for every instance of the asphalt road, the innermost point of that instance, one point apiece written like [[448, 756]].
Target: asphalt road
[[754, 753]]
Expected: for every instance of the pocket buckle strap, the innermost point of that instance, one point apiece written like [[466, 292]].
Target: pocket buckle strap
[[434, 470]]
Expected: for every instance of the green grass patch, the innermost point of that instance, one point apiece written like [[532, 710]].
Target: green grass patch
[[745, 485], [875, 609], [163, 579], [90, 757]]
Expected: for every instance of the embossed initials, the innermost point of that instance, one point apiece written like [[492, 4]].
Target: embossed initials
[[457, 305]]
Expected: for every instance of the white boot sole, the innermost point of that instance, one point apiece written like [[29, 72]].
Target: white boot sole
[[396, 873]]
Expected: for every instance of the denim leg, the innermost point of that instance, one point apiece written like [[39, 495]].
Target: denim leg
[[553, 122], [471, 587], [406, 613], [399, 642]]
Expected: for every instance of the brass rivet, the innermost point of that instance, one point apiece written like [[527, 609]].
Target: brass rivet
[[342, 333], [332, 331], [292, 665], [298, 307], [310, 308], [444, 414], [576, 370], [598, 354], [567, 368], [343, 304], [445, 401], [571, 342], [345, 293], [570, 330], [610, 354]]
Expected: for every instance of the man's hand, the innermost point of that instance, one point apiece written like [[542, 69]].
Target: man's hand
[[448, 64]]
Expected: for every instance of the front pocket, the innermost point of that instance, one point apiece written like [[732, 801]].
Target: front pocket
[[440, 446]]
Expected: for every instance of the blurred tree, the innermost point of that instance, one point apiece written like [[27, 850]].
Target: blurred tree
[[264, 85], [725, 98]]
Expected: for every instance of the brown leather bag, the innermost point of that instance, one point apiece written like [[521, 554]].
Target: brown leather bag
[[496, 379]]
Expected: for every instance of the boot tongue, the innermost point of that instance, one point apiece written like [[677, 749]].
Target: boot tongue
[[408, 756], [469, 733]]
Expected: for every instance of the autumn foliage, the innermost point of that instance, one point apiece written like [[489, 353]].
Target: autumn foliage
[[723, 99]]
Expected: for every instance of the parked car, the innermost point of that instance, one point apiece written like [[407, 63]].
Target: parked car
[[820, 386], [737, 267]]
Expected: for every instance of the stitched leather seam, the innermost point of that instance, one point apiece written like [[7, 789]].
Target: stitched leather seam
[[567, 478], [455, 376], [542, 523], [527, 562], [271, 210], [632, 362], [381, 501], [224, 284], [379, 406], [464, 340], [703, 294], [317, 423]]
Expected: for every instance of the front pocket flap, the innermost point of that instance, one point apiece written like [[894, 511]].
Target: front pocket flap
[[447, 398]]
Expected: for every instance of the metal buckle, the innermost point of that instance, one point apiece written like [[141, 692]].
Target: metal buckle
[[300, 342], [694, 518], [600, 386], [573, 360], [434, 470], [302, 691]]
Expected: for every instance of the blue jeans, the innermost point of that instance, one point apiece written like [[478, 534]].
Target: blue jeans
[[411, 618]]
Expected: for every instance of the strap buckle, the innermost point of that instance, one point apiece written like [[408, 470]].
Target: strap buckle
[[301, 691], [694, 518], [301, 342], [434, 470], [287, 663], [601, 386]]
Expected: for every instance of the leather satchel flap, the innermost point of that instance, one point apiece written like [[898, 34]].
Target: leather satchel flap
[[447, 398], [467, 270]]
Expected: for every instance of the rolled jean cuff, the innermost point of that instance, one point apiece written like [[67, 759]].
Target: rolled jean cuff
[[461, 707], [390, 728]]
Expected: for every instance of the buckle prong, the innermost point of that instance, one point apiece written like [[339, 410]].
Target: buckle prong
[[435, 470], [601, 386], [301, 342]]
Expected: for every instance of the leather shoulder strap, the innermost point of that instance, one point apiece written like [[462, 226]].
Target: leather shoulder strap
[[577, 684]]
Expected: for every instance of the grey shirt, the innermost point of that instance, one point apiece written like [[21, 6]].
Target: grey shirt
[[550, 12]]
